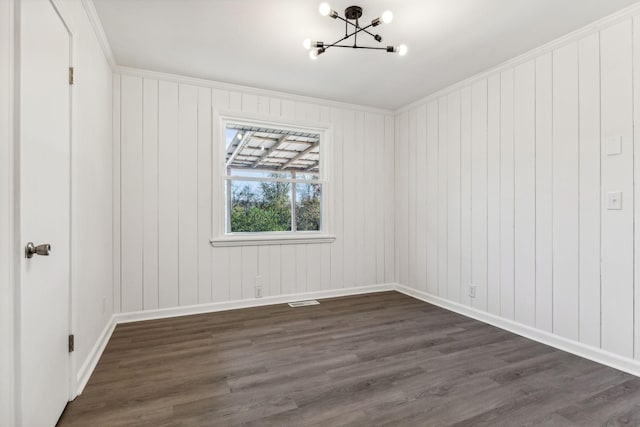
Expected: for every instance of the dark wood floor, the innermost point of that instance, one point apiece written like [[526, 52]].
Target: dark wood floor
[[379, 359]]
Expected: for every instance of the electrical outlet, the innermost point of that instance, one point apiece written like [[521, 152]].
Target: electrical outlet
[[472, 291], [258, 287]]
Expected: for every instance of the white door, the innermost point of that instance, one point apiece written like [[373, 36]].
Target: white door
[[44, 212]]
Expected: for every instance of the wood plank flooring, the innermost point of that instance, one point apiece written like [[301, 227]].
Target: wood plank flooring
[[380, 359]]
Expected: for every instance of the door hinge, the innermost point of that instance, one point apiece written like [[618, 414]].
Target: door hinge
[[70, 75], [72, 343]]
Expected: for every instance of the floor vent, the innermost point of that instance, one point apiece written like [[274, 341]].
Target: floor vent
[[303, 303]]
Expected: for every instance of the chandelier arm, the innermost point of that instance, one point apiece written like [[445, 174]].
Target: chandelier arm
[[347, 36], [359, 47], [357, 26]]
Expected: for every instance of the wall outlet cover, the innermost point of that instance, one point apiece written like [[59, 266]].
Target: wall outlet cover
[[472, 291]]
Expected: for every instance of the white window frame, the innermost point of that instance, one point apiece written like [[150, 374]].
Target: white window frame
[[222, 238]]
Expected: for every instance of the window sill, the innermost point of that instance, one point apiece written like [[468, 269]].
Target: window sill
[[228, 241]]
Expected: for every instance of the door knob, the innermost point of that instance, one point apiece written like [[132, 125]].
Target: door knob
[[31, 249]]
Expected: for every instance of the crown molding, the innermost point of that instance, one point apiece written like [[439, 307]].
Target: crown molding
[[94, 19], [594, 27], [213, 84]]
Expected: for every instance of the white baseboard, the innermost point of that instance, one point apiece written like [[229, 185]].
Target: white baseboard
[[592, 353], [92, 359], [164, 313], [597, 355]]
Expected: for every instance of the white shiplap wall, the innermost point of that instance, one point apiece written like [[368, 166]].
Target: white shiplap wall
[[163, 142], [502, 182]]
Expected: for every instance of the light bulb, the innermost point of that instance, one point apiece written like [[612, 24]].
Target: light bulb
[[402, 49], [387, 16], [313, 54], [307, 43], [324, 9]]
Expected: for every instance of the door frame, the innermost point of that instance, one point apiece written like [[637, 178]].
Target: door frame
[[11, 223], [73, 380]]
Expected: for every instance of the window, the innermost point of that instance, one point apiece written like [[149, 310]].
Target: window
[[274, 183]]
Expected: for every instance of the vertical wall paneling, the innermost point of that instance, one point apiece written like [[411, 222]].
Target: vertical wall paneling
[[300, 266], [465, 194], [443, 219], [264, 105], [589, 87], [287, 109], [219, 256], [390, 208], [412, 190], [401, 198], [237, 275], [378, 206], [301, 114], [544, 193], [204, 195], [117, 212], [617, 176], [349, 191], [188, 194], [275, 262], [337, 247], [264, 270], [235, 102], [325, 114], [325, 273], [249, 103], [525, 186], [493, 196], [274, 107], [358, 180], [150, 193], [131, 190], [432, 198], [507, 196], [288, 269], [313, 263], [312, 113], [565, 192], [453, 196], [249, 271], [326, 117], [479, 192], [370, 216], [421, 198], [168, 275], [300, 111]]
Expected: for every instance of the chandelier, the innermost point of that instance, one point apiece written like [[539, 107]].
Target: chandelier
[[352, 15]]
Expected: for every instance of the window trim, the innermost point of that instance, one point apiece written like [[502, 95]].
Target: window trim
[[219, 178]]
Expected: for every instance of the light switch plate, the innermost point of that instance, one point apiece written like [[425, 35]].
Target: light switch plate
[[614, 200], [613, 146]]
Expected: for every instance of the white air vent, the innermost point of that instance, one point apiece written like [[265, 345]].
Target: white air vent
[[303, 303]]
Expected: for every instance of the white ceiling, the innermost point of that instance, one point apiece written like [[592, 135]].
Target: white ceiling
[[259, 42]]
